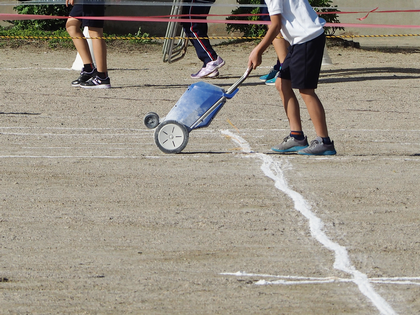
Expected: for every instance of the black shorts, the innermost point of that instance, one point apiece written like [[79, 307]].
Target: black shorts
[[89, 8], [303, 63], [264, 10]]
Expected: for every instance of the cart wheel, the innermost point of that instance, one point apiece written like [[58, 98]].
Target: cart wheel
[[151, 120], [171, 136]]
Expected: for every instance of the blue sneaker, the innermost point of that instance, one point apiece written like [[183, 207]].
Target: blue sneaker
[[290, 144], [270, 75], [271, 81], [318, 147]]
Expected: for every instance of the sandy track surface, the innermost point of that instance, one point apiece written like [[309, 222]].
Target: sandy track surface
[[94, 219]]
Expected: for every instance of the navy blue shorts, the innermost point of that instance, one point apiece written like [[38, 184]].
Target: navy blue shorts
[[89, 8], [303, 64]]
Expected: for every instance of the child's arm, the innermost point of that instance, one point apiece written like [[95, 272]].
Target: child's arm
[[255, 57]]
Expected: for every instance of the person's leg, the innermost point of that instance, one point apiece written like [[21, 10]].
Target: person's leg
[[280, 46], [316, 111], [290, 103], [73, 28], [322, 144], [99, 49], [101, 79], [300, 70], [304, 66], [296, 140], [196, 31]]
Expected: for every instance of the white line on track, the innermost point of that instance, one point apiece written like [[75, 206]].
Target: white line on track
[[71, 128], [36, 68], [295, 280], [272, 169], [70, 157], [70, 134]]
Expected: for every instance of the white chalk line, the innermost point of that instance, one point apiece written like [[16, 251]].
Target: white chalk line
[[127, 157], [296, 280], [71, 128], [272, 169], [71, 134], [70, 157], [36, 68], [108, 145]]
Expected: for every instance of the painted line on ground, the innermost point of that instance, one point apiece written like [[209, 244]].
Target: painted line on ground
[[36, 68], [71, 157], [70, 134], [273, 170], [296, 280], [71, 128]]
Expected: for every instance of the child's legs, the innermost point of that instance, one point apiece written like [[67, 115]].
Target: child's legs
[[198, 31], [99, 48], [301, 67], [290, 103], [73, 28], [280, 46], [316, 111]]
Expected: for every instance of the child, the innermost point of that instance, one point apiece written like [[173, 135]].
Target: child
[[196, 31], [303, 29], [90, 77]]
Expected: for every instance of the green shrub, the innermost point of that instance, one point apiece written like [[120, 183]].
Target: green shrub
[[139, 38], [45, 25], [248, 30], [253, 30], [330, 18]]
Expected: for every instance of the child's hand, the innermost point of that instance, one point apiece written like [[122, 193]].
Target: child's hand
[[255, 58]]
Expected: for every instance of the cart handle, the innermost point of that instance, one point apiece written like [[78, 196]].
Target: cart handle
[[232, 90], [239, 82]]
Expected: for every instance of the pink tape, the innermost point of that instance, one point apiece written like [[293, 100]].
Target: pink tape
[[361, 19], [370, 25], [4, 16]]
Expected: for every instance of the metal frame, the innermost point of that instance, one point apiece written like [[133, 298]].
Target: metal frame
[[174, 49]]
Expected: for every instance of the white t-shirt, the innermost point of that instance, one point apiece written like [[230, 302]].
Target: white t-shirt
[[299, 21]]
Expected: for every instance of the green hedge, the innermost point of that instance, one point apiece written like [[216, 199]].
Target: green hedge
[[259, 30]]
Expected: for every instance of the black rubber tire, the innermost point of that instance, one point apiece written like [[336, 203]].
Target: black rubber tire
[[151, 120]]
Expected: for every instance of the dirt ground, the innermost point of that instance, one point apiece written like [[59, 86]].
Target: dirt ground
[[95, 219]]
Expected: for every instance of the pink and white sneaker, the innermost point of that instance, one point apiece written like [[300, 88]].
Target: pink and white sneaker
[[214, 74], [210, 67]]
